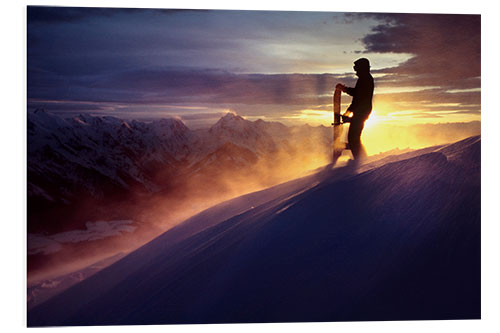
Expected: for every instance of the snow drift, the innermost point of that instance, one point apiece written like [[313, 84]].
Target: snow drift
[[399, 240]]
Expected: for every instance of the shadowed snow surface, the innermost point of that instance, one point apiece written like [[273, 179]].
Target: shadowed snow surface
[[399, 241]]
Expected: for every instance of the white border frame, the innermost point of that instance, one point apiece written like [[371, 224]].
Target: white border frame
[[13, 163]]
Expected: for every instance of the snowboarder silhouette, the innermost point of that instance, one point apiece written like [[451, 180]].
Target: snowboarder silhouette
[[361, 106]]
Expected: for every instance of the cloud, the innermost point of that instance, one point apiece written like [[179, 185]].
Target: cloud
[[47, 244], [193, 94], [436, 96], [45, 14], [48, 15], [446, 47], [110, 61], [445, 62], [183, 85]]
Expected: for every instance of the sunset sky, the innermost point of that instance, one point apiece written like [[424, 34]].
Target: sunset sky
[[279, 66]]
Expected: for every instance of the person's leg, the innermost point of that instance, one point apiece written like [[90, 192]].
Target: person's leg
[[354, 138]]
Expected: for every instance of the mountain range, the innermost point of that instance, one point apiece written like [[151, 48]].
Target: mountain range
[[106, 159]]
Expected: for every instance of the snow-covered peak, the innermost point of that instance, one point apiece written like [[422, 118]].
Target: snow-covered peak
[[43, 119], [230, 120], [103, 122], [242, 132], [231, 116], [168, 126], [126, 152], [272, 127]]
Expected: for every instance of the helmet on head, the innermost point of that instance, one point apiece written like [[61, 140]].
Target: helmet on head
[[362, 64]]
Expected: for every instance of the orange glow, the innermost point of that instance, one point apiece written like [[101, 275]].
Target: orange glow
[[372, 120], [313, 117], [383, 135], [396, 125]]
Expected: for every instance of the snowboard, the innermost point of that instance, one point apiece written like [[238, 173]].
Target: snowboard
[[338, 145]]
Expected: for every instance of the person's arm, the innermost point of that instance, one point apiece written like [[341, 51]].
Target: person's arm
[[347, 90]]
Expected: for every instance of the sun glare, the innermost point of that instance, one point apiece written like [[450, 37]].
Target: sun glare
[[322, 117], [313, 117], [372, 120]]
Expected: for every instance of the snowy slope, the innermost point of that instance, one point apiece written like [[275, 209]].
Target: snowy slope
[[398, 241], [45, 289], [233, 128]]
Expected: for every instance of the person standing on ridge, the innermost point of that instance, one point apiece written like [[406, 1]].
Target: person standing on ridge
[[361, 106]]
